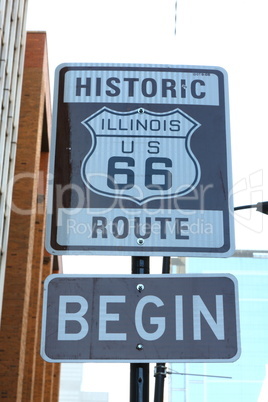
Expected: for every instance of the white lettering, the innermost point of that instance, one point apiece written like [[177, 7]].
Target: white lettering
[[217, 325], [104, 317], [179, 318], [78, 327], [159, 321], [64, 316]]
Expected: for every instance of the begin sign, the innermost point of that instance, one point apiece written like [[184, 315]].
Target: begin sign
[[140, 161], [140, 318]]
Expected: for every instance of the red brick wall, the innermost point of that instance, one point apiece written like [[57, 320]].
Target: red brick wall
[[24, 375]]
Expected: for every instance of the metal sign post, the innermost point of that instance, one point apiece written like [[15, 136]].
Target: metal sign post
[[160, 369], [139, 372]]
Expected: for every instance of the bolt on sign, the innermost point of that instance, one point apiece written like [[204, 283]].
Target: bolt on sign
[[140, 161], [133, 318]]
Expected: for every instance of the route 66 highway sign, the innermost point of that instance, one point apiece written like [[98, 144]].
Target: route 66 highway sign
[[140, 161], [140, 187]]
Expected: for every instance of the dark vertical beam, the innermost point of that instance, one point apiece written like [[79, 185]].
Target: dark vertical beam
[[140, 265], [139, 372], [160, 369], [160, 375], [166, 265]]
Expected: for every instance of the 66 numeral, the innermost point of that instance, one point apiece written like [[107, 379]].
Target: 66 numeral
[[155, 178]]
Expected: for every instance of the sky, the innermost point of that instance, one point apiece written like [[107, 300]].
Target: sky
[[230, 34], [211, 33]]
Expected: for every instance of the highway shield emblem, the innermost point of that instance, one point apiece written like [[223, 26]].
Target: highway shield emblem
[[140, 155]]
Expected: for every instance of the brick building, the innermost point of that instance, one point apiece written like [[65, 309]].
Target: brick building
[[24, 262]]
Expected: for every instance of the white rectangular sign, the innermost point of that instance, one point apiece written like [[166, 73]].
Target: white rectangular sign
[[140, 161], [174, 87]]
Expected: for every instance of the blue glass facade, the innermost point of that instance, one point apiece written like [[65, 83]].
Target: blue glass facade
[[248, 372]]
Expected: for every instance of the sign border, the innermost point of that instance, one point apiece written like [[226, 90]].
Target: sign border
[[228, 248], [140, 277]]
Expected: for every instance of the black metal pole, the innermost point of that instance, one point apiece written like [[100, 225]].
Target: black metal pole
[[160, 375], [166, 265], [139, 372], [160, 369]]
